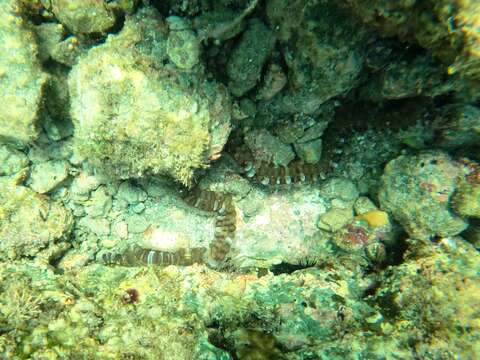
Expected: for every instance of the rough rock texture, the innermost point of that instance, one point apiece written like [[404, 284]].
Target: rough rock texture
[[458, 125], [115, 312], [323, 57], [29, 223], [280, 247], [247, 60], [466, 200], [45, 176], [84, 16], [132, 119], [447, 28], [11, 160], [21, 78], [183, 46], [431, 297], [417, 191]]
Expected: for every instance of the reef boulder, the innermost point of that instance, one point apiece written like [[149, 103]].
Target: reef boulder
[[21, 78], [133, 117], [417, 190]]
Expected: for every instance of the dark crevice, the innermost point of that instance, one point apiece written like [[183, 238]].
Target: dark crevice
[[398, 250], [217, 338], [287, 268]]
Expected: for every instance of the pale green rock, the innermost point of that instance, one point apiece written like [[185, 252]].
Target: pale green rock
[[137, 223], [120, 229], [46, 176], [99, 204], [363, 205], [314, 132], [29, 223], [48, 35], [11, 160], [83, 184], [310, 151], [131, 194], [268, 148], [466, 200], [339, 188], [84, 16], [125, 6], [183, 48], [417, 190], [335, 219], [21, 78], [248, 58], [97, 226], [57, 129], [138, 208]]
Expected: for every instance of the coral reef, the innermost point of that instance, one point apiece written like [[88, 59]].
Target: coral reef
[[239, 179]]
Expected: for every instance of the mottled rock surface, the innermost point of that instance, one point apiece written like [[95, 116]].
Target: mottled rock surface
[[417, 191], [161, 124], [21, 78]]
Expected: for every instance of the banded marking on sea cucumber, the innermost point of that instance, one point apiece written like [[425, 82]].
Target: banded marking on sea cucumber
[[137, 256], [269, 174], [225, 218]]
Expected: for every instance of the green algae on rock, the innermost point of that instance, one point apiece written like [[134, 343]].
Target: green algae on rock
[[133, 119], [84, 16], [21, 78], [279, 250], [446, 27], [29, 223], [183, 46], [11, 160], [432, 296]]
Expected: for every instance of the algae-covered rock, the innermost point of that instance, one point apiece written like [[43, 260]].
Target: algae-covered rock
[[433, 296], [21, 78], [29, 222], [268, 148], [282, 228], [175, 313], [466, 200], [11, 160], [131, 119], [84, 17], [417, 191], [406, 78], [446, 27], [323, 50], [458, 125], [273, 251], [46, 176], [247, 60], [48, 36], [183, 46]]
